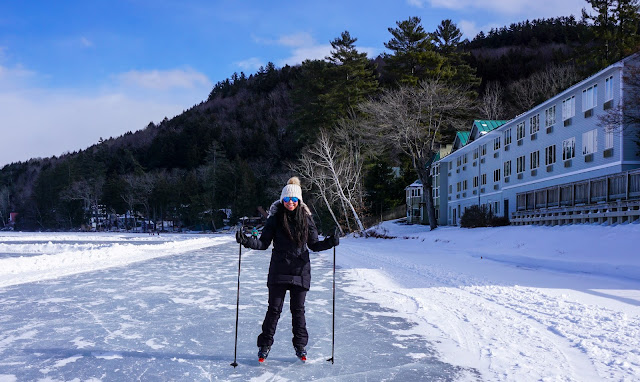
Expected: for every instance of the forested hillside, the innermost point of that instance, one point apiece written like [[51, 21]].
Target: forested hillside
[[330, 121]]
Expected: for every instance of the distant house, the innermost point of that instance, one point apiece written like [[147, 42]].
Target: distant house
[[415, 206], [553, 164]]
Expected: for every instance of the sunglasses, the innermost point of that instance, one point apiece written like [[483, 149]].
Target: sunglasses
[[286, 199]]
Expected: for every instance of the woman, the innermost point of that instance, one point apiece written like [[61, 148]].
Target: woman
[[293, 232]]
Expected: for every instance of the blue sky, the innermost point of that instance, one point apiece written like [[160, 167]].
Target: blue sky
[[74, 71]]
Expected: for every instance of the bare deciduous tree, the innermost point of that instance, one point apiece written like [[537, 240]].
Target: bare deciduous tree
[[542, 85], [341, 172], [413, 120], [87, 190], [491, 105], [625, 116]]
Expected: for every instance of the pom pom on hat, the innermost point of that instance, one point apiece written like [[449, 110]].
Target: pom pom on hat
[[292, 189]]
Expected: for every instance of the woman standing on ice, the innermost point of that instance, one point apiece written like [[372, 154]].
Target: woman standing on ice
[[291, 228]]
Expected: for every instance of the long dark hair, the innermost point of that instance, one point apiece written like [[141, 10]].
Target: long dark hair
[[296, 219]]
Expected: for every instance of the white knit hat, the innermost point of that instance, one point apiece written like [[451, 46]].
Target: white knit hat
[[292, 189]]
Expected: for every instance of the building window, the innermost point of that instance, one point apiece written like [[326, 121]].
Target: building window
[[459, 161], [450, 165], [458, 186], [496, 175], [534, 124], [568, 108], [465, 157], [568, 148], [496, 144], [507, 136], [451, 189], [608, 137], [520, 131], [608, 89], [550, 116], [483, 150], [520, 163], [483, 179], [590, 142], [534, 159], [507, 168], [590, 97], [550, 155], [475, 153], [464, 185], [475, 181]]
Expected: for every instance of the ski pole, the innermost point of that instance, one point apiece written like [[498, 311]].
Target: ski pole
[[235, 351], [333, 314]]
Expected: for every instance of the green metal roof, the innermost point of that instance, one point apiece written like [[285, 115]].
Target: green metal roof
[[463, 137], [487, 125]]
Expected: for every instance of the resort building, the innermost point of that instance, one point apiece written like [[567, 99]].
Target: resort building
[[554, 164]]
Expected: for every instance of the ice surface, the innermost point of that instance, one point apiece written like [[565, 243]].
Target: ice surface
[[499, 304], [172, 318]]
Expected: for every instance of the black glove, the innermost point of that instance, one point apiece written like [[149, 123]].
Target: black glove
[[241, 238], [334, 239]]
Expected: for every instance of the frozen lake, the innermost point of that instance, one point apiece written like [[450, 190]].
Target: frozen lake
[[172, 318]]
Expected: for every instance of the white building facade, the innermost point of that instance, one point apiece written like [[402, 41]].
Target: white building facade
[[557, 142]]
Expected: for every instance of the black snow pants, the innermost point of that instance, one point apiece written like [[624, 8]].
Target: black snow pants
[[297, 296]]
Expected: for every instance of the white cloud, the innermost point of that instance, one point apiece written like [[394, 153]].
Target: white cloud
[[44, 122], [416, 3], [164, 79], [315, 52], [86, 42], [296, 40], [250, 64], [525, 8], [469, 28]]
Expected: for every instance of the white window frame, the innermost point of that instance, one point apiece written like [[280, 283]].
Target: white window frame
[[507, 136], [534, 159], [590, 97], [568, 108], [590, 142], [507, 168], [608, 89], [534, 124], [550, 155], [496, 175], [608, 137], [569, 148], [550, 116], [520, 131], [520, 164], [483, 179], [475, 181], [496, 143], [475, 153], [483, 150]]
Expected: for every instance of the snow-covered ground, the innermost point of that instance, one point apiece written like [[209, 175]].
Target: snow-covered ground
[[496, 304]]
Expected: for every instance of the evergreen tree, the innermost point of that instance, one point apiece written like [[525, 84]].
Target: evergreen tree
[[351, 78], [414, 57], [615, 26], [456, 67]]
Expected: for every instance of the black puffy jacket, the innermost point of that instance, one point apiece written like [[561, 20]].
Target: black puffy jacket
[[290, 264]]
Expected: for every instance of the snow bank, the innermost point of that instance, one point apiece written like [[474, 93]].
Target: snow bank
[[32, 257], [518, 303]]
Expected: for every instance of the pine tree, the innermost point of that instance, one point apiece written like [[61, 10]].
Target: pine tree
[[456, 67], [414, 57], [351, 78], [615, 25]]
